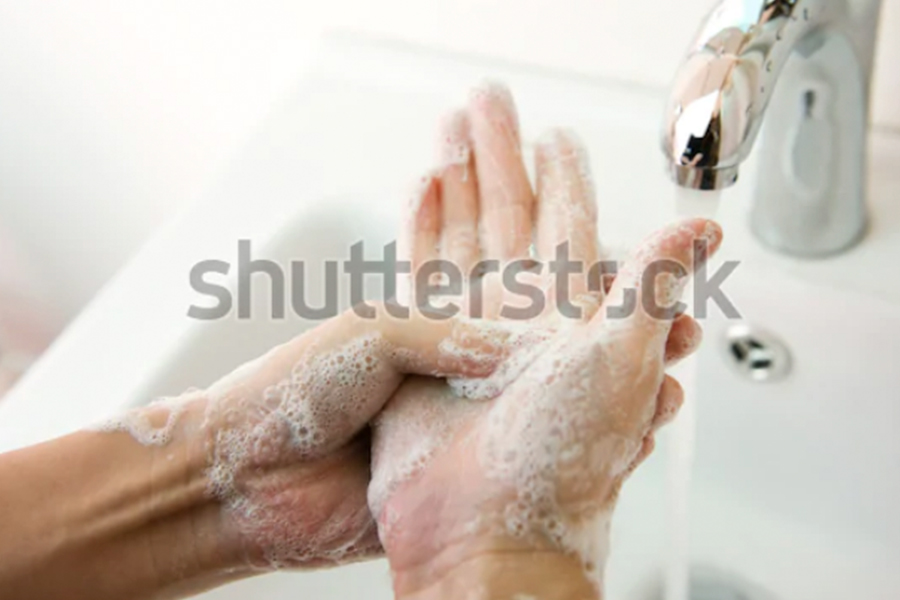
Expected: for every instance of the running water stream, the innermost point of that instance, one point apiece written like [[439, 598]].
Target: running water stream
[[681, 436]]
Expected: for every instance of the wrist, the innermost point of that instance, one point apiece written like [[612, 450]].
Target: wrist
[[195, 546], [187, 543], [452, 546], [511, 574]]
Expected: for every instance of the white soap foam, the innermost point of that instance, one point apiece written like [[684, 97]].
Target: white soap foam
[[254, 425], [421, 420], [553, 389], [258, 420], [523, 343], [328, 397], [325, 399], [548, 437], [152, 425]]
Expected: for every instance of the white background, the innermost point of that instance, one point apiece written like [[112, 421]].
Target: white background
[[115, 113]]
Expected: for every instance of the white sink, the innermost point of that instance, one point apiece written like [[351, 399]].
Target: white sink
[[803, 476], [795, 482]]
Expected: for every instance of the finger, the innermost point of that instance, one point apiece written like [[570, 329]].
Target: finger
[[668, 402], [506, 199], [459, 193], [648, 444], [425, 222], [429, 343], [418, 239], [684, 339], [566, 205], [645, 295], [331, 381]]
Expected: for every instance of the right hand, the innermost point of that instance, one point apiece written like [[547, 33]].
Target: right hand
[[537, 465]]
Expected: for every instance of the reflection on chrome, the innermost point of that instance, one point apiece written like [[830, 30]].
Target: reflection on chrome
[[807, 65]]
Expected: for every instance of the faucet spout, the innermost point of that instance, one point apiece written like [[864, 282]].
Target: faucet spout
[[799, 72]]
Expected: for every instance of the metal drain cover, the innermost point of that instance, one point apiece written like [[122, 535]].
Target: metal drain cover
[[756, 354], [711, 583], [715, 590]]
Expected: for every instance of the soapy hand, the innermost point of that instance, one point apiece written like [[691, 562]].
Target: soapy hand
[[497, 444], [520, 430], [284, 439], [528, 460]]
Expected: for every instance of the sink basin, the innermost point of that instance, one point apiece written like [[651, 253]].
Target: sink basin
[[795, 481], [802, 475]]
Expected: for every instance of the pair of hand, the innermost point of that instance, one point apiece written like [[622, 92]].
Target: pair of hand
[[443, 442]]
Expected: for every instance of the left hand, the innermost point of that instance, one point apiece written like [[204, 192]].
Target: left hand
[[283, 441]]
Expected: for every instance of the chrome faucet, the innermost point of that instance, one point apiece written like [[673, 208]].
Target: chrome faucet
[[808, 64]]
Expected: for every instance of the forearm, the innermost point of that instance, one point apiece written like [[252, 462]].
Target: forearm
[[96, 515]]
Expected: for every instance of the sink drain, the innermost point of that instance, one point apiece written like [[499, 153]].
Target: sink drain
[[711, 583], [756, 353]]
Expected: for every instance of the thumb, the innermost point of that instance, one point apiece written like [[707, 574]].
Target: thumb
[[642, 300], [335, 378], [432, 342]]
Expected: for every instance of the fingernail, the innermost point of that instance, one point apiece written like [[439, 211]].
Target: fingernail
[[408, 219], [689, 342], [489, 90], [669, 289], [707, 243], [712, 233], [560, 141], [455, 147], [417, 195], [493, 98]]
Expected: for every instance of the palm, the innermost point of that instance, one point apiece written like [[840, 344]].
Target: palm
[[534, 455]]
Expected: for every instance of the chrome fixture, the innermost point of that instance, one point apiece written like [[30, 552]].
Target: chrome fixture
[[756, 354], [808, 64]]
